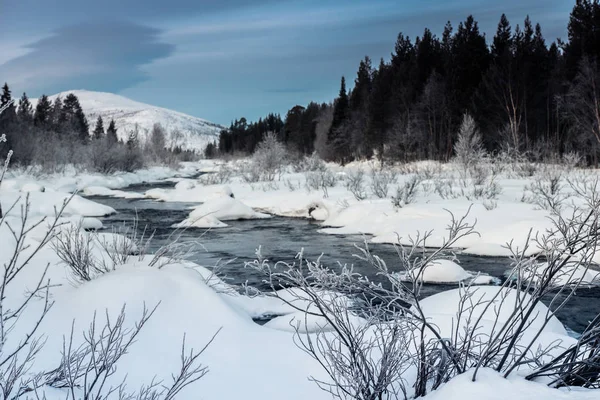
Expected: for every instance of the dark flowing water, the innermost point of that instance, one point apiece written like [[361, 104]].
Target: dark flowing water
[[282, 238]]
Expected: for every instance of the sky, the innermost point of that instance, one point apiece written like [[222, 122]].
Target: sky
[[224, 59]]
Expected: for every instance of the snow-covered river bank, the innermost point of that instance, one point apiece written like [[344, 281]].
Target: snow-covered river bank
[[281, 238]]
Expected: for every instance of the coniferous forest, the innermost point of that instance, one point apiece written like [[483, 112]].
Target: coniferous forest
[[529, 95]]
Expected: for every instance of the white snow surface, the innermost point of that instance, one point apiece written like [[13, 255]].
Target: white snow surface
[[195, 132], [222, 208], [439, 271], [490, 385]]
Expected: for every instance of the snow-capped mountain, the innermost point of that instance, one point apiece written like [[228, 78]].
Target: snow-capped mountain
[[193, 133]]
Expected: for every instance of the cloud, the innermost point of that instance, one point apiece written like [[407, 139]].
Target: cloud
[[97, 56]]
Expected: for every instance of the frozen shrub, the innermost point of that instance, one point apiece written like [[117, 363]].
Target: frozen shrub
[[469, 149], [221, 176], [355, 183], [381, 180], [310, 163], [406, 194], [571, 160], [270, 158], [546, 192], [323, 180], [250, 172]]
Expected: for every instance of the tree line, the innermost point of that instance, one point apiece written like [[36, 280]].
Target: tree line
[[57, 133], [526, 96]]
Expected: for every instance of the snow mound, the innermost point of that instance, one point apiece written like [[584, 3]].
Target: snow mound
[[503, 300], [441, 271], [221, 209], [49, 202], [570, 274], [193, 133], [491, 385], [196, 194]]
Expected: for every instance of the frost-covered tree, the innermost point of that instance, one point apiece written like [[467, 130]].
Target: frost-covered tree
[[270, 157], [468, 148]]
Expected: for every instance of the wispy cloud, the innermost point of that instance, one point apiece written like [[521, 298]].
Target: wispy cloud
[[105, 56]]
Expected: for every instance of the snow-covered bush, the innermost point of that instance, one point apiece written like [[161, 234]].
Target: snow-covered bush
[[571, 160], [547, 191], [406, 193], [320, 180], [381, 181], [221, 176], [310, 163], [355, 183], [270, 158]]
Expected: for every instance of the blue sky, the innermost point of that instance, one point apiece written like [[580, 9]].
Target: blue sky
[[223, 59]]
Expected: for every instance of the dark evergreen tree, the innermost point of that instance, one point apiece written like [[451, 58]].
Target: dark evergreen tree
[[25, 111], [43, 112], [359, 108], [584, 35], [338, 139], [111, 132], [99, 128]]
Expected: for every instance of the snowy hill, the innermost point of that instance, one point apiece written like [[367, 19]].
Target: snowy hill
[[194, 133]]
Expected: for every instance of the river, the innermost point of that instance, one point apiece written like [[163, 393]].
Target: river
[[282, 238]]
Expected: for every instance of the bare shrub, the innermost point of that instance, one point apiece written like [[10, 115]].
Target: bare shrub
[[546, 192], [320, 180], [571, 160], [355, 183], [406, 193], [85, 369], [76, 250], [250, 172], [381, 181], [309, 163], [221, 176]]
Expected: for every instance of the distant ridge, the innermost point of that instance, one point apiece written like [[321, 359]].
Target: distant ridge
[[194, 133]]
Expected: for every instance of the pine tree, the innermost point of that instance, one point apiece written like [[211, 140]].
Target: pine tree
[[8, 123], [338, 138], [111, 132], [378, 110], [43, 112], [75, 118], [25, 112], [99, 128], [58, 117], [502, 43], [7, 104]]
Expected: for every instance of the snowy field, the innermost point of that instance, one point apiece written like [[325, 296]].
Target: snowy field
[[49, 299]]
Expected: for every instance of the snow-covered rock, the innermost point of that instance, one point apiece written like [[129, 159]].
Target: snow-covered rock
[[572, 273], [438, 271], [221, 209], [503, 300]]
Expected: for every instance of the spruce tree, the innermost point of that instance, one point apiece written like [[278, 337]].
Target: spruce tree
[[8, 114], [338, 139], [502, 43], [111, 132], [25, 112], [99, 128], [43, 111]]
